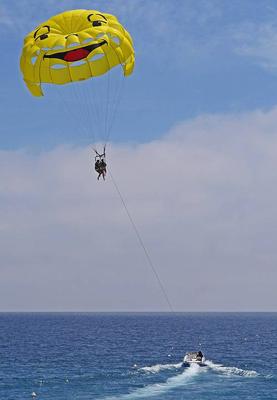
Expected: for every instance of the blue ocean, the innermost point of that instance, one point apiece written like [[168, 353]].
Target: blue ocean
[[137, 356]]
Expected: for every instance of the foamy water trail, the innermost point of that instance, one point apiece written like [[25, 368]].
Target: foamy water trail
[[230, 370], [154, 369], [157, 389]]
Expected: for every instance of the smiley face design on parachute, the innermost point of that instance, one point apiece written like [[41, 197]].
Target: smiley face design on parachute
[[73, 46]]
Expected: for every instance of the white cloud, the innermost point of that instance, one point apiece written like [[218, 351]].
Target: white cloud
[[203, 197]]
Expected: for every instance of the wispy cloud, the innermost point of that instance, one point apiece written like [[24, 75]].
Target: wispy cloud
[[177, 31], [6, 21], [203, 197], [259, 43]]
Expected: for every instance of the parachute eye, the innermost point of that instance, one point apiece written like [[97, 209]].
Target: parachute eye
[[44, 36], [42, 33], [97, 23]]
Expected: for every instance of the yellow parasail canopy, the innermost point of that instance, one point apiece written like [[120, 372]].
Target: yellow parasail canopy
[[74, 46]]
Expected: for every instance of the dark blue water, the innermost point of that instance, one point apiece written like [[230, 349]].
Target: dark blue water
[[137, 356]]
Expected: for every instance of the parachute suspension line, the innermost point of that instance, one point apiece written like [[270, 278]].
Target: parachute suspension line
[[94, 96], [67, 105], [78, 100], [150, 262], [116, 101], [90, 115], [112, 98], [68, 111], [94, 101], [107, 99], [107, 109], [72, 98], [79, 95], [95, 112]]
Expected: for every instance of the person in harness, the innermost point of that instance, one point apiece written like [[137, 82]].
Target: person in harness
[[100, 164]]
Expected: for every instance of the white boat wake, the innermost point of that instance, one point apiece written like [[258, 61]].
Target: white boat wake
[[157, 389], [154, 369], [230, 371], [179, 380]]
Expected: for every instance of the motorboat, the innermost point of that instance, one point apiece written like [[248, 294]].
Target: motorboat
[[194, 357]]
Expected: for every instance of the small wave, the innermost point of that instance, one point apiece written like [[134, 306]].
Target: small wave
[[154, 369], [160, 388], [230, 370]]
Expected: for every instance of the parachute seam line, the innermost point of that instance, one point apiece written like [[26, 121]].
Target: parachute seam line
[[71, 22], [68, 67], [80, 19], [64, 20], [147, 255], [39, 73]]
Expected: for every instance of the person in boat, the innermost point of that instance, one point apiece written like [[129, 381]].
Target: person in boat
[[199, 355]]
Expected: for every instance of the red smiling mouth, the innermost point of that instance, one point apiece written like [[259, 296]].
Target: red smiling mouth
[[77, 54]]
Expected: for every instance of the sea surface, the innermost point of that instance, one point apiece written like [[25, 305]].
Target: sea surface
[[137, 356]]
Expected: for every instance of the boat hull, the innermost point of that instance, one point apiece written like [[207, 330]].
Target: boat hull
[[189, 363]]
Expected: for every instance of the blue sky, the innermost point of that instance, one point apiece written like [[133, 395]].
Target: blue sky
[[194, 152], [192, 58]]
